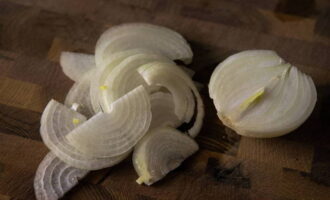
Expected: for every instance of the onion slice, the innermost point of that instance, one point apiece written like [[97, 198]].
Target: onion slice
[[147, 36], [54, 178], [76, 65], [258, 95], [159, 152], [181, 87], [57, 121], [99, 78], [162, 109], [115, 133], [80, 94], [124, 77]]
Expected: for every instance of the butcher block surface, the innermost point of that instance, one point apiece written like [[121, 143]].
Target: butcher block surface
[[227, 167]]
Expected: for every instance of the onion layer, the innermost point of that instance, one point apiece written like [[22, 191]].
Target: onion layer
[[115, 133], [56, 122], [54, 178], [76, 65], [159, 152]]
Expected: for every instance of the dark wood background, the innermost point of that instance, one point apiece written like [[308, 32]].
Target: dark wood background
[[296, 166]]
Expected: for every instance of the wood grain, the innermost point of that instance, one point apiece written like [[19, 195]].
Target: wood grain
[[33, 33]]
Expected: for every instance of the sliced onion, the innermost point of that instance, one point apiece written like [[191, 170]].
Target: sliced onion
[[56, 122], [182, 96], [98, 81], [54, 178], [258, 96], [181, 87], [162, 109], [76, 65], [80, 94], [115, 133], [124, 77], [139, 35], [159, 152]]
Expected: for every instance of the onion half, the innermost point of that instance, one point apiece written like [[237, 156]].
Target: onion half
[[259, 95]]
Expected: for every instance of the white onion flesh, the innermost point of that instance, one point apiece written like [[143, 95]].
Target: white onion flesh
[[115, 133], [99, 85], [258, 95], [140, 35], [54, 178], [76, 65], [159, 152], [56, 122], [80, 94], [124, 77], [162, 109], [178, 83]]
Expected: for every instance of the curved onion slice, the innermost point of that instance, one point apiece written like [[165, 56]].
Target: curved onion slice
[[162, 109], [54, 178], [56, 122], [98, 82], [147, 36], [159, 152], [180, 85], [75, 65], [276, 100], [124, 77], [115, 133], [80, 94]]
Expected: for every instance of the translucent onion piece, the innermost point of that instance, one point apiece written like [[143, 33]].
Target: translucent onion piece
[[147, 36], [115, 133], [159, 152], [57, 121], [98, 82], [181, 87], [162, 109], [276, 100], [80, 94], [189, 71], [124, 77], [75, 65], [54, 178]]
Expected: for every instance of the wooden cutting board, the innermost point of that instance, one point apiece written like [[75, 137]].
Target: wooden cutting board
[[296, 166]]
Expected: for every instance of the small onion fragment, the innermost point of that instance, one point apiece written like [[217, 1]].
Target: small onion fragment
[[54, 178], [257, 94], [159, 152], [115, 133], [80, 94], [76, 65], [57, 121]]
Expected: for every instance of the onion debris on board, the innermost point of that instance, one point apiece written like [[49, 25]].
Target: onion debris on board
[[257, 94], [117, 106]]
